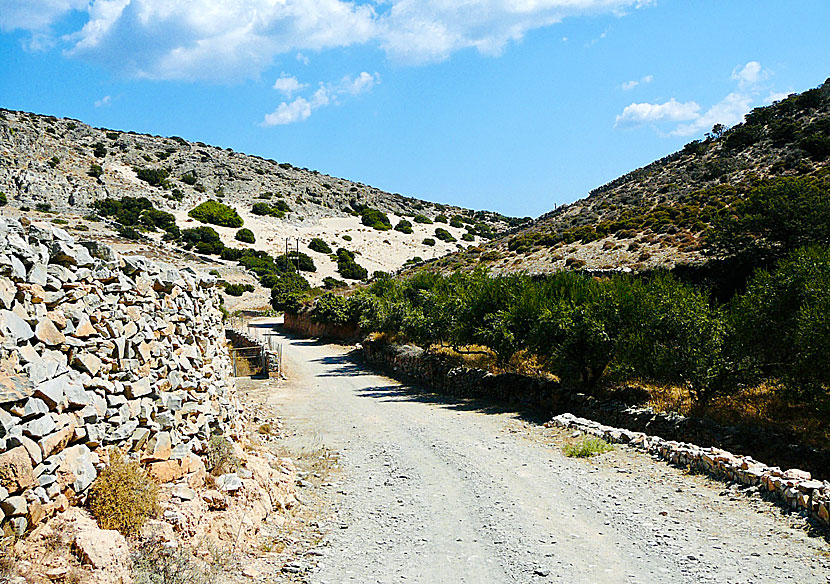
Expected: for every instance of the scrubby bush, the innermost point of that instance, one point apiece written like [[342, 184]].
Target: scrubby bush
[[347, 237], [216, 213], [375, 219], [237, 289], [123, 497], [320, 246], [95, 170], [330, 283], [404, 226], [43, 207], [156, 177], [331, 309], [99, 150], [421, 219], [444, 235], [587, 447], [221, 458], [441, 218], [137, 212], [348, 267], [428, 241], [3, 199], [188, 178], [203, 239], [467, 237], [54, 162], [245, 235], [286, 291]]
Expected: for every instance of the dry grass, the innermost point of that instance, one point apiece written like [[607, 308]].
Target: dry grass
[[123, 496]]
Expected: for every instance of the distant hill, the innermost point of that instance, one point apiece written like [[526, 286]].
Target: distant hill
[[64, 166], [658, 215]]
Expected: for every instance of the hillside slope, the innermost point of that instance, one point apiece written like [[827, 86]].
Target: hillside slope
[[658, 215], [63, 166]]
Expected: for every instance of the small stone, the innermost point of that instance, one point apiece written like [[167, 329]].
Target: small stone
[[229, 482], [14, 506], [184, 493]]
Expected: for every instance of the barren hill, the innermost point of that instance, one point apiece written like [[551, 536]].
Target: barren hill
[[63, 166]]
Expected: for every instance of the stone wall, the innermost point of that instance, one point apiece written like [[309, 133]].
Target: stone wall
[[795, 487], [442, 374], [99, 350], [301, 324]]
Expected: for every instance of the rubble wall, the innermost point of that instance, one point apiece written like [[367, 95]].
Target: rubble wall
[[99, 350]]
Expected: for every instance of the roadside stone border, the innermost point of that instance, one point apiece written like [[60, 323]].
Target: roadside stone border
[[241, 339], [796, 488]]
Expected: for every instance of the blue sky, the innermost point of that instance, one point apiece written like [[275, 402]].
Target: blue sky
[[509, 105]]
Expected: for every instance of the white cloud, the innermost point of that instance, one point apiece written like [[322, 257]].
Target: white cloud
[[288, 85], [750, 74], [225, 40], [326, 94], [729, 111], [629, 85], [646, 113], [104, 101], [689, 118], [288, 113]]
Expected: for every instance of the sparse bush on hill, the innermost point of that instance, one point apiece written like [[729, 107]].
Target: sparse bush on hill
[[441, 218], [216, 213], [444, 235], [156, 177], [404, 226], [188, 178], [245, 235], [237, 289], [375, 219], [95, 171], [202, 239], [428, 241], [286, 291], [320, 246], [422, 219], [3, 199], [348, 267]]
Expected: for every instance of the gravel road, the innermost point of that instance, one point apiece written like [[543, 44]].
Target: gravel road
[[435, 491]]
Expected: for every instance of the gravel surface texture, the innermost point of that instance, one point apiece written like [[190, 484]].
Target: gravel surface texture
[[432, 490]]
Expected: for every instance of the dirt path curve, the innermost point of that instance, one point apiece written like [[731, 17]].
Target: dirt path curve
[[433, 491]]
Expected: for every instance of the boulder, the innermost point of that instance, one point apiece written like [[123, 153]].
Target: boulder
[[14, 327], [48, 333], [16, 470]]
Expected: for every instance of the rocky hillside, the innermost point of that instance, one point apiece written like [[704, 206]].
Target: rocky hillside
[[658, 215], [63, 166]]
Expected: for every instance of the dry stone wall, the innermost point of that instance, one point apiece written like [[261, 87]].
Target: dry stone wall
[[100, 350], [797, 488]]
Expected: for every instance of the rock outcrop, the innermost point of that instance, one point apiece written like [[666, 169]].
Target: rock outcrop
[[99, 350]]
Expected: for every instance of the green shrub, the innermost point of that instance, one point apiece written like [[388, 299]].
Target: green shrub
[[266, 210], [123, 497], [43, 207], [375, 219], [404, 226], [216, 213], [54, 162], [428, 241], [320, 246], [3, 199], [331, 309], [330, 283], [245, 235], [347, 237], [444, 235], [188, 178], [467, 237], [220, 456], [348, 267], [203, 239], [286, 291], [441, 218], [95, 170], [587, 447], [301, 261], [156, 177], [422, 219], [237, 289], [99, 150]]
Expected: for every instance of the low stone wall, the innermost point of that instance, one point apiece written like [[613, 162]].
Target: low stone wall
[[301, 324], [441, 374], [794, 487], [99, 350]]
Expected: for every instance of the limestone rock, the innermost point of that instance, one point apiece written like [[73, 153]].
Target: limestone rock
[[48, 333], [16, 470]]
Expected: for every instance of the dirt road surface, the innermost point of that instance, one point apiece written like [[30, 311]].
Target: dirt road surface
[[434, 491]]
